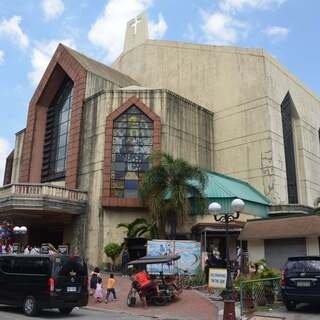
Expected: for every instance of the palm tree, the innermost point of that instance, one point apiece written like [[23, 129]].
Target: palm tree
[[171, 189], [148, 230], [133, 228], [139, 228]]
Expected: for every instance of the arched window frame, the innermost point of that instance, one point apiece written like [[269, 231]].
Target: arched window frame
[[109, 200], [57, 133]]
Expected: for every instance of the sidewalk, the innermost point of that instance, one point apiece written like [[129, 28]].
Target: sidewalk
[[189, 306], [303, 312]]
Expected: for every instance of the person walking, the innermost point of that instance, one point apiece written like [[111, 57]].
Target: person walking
[[111, 288], [94, 280], [98, 294]]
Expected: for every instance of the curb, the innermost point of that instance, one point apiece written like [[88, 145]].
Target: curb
[[130, 314]]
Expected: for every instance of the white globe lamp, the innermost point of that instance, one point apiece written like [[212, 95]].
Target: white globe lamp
[[237, 205], [16, 229], [23, 229], [215, 208]]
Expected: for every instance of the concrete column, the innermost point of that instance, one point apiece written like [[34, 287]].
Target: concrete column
[[256, 250], [312, 245]]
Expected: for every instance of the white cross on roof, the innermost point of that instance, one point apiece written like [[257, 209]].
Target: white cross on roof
[[135, 24]]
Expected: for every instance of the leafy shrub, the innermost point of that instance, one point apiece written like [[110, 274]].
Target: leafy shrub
[[112, 250]]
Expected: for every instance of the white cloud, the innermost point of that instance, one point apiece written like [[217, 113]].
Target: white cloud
[[223, 29], [11, 29], [276, 33], [157, 29], [238, 5], [1, 56], [41, 56], [5, 149], [52, 8], [108, 30]]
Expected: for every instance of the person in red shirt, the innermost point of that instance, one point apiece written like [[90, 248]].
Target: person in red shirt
[[145, 285]]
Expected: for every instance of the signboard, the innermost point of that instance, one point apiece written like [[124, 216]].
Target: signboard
[[44, 248], [217, 278], [63, 249], [190, 256], [16, 247], [189, 252], [160, 248]]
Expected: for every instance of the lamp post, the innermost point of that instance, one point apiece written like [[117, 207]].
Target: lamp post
[[219, 216]]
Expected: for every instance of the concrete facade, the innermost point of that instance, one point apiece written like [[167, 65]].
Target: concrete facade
[[181, 123], [219, 108], [244, 88]]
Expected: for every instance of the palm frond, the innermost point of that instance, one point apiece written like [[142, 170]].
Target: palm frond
[[166, 188]]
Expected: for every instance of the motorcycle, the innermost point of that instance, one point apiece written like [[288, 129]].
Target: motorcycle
[[168, 289]]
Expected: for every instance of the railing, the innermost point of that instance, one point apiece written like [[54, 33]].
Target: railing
[[42, 190], [259, 294]]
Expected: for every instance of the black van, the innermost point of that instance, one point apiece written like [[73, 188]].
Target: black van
[[43, 281], [300, 281]]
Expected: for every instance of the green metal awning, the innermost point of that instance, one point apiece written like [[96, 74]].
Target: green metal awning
[[224, 189]]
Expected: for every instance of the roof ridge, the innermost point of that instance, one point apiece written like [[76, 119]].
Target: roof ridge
[[88, 64]]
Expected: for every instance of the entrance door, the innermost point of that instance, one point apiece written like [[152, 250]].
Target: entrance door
[[277, 251], [52, 235]]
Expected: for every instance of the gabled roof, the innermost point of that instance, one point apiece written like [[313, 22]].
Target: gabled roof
[[101, 69]]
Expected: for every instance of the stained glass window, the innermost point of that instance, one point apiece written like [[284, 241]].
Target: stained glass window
[[57, 132], [132, 140]]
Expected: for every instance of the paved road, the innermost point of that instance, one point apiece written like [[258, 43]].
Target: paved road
[[7, 313], [303, 312]]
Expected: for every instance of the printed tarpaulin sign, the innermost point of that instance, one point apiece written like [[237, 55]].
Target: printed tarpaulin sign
[[189, 252], [217, 278], [63, 249], [190, 256], [160, 248], [16, 247], [44, 248]]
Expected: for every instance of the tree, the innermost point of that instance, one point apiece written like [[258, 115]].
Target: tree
[[133, 227], [139, 228], [171, 189], [148, 230], [112, 250]]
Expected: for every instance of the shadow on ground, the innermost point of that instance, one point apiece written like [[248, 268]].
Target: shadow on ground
[[44, 314]]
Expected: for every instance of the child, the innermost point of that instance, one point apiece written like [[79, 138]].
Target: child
[[99, 291], [110, 288], [94, 279]]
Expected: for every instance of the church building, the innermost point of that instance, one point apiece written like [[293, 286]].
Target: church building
[[235, 112]]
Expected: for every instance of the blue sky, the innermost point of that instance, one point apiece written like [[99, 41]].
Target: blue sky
[[30, 31]]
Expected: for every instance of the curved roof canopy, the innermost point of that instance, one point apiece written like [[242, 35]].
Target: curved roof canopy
[[224, 189]]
